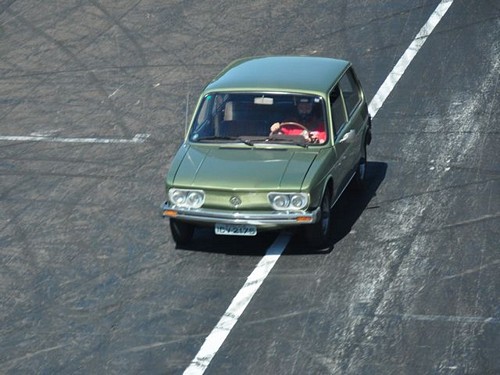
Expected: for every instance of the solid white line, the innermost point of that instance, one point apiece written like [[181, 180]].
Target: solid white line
[[216, 338], [218, 335], [138, 138], [407, 57]]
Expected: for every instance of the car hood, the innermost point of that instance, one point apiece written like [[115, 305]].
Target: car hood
[[243, 168]]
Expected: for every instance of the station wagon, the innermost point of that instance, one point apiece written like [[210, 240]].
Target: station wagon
[[273, 143]]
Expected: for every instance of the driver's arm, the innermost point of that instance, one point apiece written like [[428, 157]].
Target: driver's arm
[[275, 127]]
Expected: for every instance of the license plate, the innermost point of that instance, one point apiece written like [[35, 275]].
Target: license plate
[[235, 230]]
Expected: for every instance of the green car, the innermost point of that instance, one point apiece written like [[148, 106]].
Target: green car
[[273, 143]]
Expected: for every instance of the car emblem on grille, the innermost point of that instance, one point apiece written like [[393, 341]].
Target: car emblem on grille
[[235, 201]]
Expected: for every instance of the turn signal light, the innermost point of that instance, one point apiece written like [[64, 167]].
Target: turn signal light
[[170, 213], [303, 219]]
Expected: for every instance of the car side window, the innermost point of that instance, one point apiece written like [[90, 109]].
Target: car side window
[[337, 107], [350, 91]]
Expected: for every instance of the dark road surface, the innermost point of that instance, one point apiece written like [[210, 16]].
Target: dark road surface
[[90, 279]]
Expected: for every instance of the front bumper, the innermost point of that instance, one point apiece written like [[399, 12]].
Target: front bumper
[[258, 218]]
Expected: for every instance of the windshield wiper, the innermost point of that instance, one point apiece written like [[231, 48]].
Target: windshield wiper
[[246, 141], [294, 140], [225, 138]]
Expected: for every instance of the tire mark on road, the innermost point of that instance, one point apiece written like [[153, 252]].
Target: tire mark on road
[[47, 294], [74, 57], [126, 32], [130, 36], [4, 7], [375, 291]]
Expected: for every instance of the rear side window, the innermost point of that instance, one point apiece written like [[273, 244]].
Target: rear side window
[[350, 91], [338, 113]]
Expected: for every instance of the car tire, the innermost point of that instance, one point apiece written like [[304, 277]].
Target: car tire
[[359, 180], [318, 234], [182, 232]]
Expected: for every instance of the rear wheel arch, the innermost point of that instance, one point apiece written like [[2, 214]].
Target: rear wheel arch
[[368, 133]]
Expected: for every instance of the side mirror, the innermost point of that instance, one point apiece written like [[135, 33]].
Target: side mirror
[[348, 137]]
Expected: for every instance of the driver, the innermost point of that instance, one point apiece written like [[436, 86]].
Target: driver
[[315, 131]]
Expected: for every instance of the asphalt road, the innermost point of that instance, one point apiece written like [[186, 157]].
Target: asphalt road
[[90, 279]]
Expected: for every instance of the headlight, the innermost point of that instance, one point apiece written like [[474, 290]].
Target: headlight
[[186, 198], [281, 202], [299, 201], [288, 201]]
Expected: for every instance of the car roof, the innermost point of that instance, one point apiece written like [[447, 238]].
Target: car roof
[[305, 74]]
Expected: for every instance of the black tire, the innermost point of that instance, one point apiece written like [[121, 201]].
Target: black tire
[[318, 235], [182, 232], [359, 180]]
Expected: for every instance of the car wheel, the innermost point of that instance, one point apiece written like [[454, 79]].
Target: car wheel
[[319, 233], [181, 232], [360, 176]]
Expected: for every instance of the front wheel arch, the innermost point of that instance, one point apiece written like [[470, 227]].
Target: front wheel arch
[[329, 188], [182, 232], [318, 234]]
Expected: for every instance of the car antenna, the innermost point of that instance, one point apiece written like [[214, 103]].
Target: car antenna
[[187, 110]]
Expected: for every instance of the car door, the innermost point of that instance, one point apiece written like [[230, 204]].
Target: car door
[[342, 167], [357, 116]]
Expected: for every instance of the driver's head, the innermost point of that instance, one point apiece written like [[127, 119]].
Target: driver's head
[[304, 106]]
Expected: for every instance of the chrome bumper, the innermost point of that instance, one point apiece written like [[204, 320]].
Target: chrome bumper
[[257, 218]]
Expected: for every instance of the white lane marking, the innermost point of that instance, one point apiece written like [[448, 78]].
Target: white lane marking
[[138, 138], [216, 338], [218, 335], [441, 318], [407, 57]]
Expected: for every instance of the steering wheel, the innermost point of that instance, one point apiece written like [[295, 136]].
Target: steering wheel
[[293, 125]]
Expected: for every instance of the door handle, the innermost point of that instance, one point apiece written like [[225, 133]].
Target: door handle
[[349, 136]]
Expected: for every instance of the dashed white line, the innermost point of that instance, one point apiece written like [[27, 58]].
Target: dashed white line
[[216, 338]]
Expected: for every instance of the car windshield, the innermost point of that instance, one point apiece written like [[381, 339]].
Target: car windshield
[[252, 117]]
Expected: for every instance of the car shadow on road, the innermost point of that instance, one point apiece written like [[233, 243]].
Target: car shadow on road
[[344, 215], [205, 240], [346, 211]]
